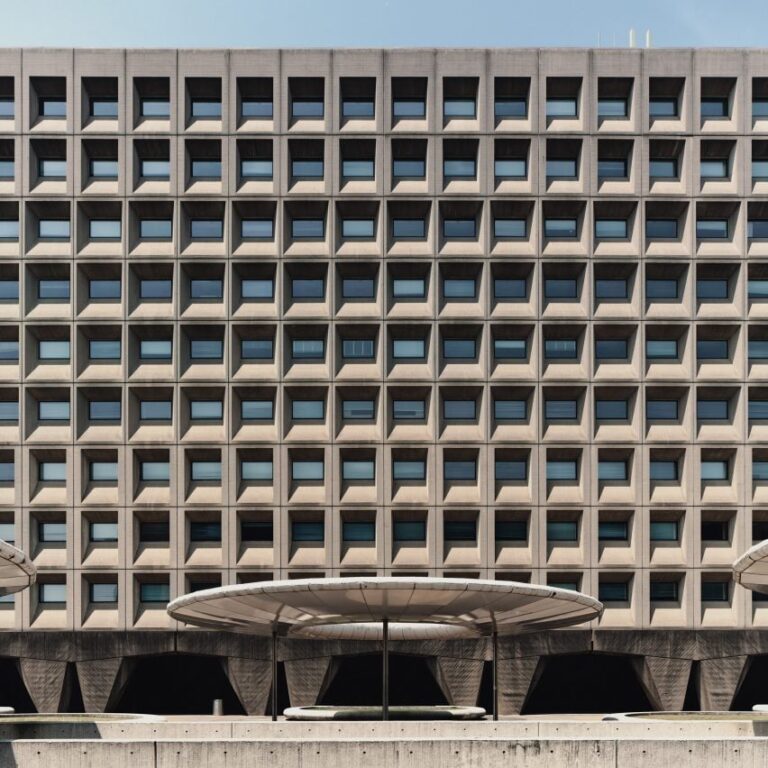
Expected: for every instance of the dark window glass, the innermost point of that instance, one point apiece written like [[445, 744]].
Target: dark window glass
[[664, 530], [566, 229], [510, 410], [613, 591], [613, 530], [358, 288], [611, 410], [202, 530], [611, 349], [562, 530], [560, 349], [155, 289], [459, 530], [612, 169], [714, 530], [513, 288], [715, 591], [358, 530], [307, 530], [662, 106], [156, 410], [459, 410], [256, 229], [256, 349], [712, 410], [408, 410], [663, 169], [665, 591], [712, 288], [712, 349], [665, 288], [510, 229], [511, 530], [661, 410], [154, 532], [409, 530], [661, 229], [256, 530], [611, 288], [561, 288]]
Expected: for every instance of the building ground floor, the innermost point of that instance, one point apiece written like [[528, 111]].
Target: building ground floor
[[564, 671]]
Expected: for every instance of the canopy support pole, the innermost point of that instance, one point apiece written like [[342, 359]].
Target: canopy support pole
[[385, 671], [495, 672], [274, 675]]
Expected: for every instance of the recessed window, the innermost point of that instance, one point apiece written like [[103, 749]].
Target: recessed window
[[409, 530], [713, 169], [612, 107], [205, 471], [103, 289], [613, 591], [52, 472], [53, 410], [560, 349], [510, 229], [511, 530], [510, 349], [459, 228], [562, 530], [408, 228], [257, 410], [408, 410], [307, 530], [714, 107], [661, 288], [409, 349], [52, 168], [360, 229], [511, 470], [459, 410], [9, 412], [459, 169], [209, 109], [307, 470], [408, 169], [358, 531], [712, 288], [154, 593], [611, 349], [260, 170], [157, 170], [510, 410], [411, 108], [611, 288], [714, 470], [206, 349], [205, 289], [566, 470], [510, 169], [715, 591], [358, 470], [155, 107], [662, 410], [155, 349], [255, 288], [102, 532], [358, 349], [52, 533], [563, 229], [611, 470], [155, 229], [307, 288], [458, 108], [206, 229], [104, 349], [103, 471], [153, 532], [103, 169], [155, 471], [206, 410], [664, 530], [757, 349], [611, 229], [308, 349], [104, 229], [52, 106], [561, 288], [661, 349], [459, 349], [358, 288], [665, 591], [409, 288], [308, 410], [510, 288], [663, 107], [613, 530], [712, 349], [53, 229], [155, 289], [104, 410], [9, 229], [307, 169], [155, 410], [663, 169], [561, 410], [51, 593], [403, 470], [256, 530], [358, 410], [53, 350], [257, 349], [565, 168], [562, 107], [611, 410], [661, 229], [256, 471], [57, 290], [663, 470], [307, 229], [256, 229], [357, 169], [712, 229], [205, 169], [613, 168], [307, 108]]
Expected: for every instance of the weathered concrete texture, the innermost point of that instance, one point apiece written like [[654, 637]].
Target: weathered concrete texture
[[104, 662], [665, 680]]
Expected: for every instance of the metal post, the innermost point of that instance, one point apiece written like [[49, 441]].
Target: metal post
[[495, 672], [274, 675], [385, 671]]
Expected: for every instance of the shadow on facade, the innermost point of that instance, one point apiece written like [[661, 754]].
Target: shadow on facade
[[754, 684], [585, 683], [357, 681], [13, 692], [177, 684]]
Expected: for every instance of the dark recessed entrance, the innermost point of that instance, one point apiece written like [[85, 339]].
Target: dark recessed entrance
[[177, 684], [13, 692], [358, 681], [588, 682]]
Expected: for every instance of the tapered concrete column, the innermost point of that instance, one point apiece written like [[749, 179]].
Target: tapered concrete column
[[45, 681], [665, 680], [306, 679], [719, 680], [101, 682], [515, 678], [460, 679], [251, 680]]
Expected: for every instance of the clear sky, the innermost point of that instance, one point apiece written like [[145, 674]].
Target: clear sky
[[380, 23]]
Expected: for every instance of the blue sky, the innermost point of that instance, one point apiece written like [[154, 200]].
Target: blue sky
[[361, 23]]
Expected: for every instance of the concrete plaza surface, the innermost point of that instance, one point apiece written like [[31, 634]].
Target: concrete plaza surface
[[569, 741]]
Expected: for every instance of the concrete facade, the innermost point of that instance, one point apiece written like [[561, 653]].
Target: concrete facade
[[547, 234]]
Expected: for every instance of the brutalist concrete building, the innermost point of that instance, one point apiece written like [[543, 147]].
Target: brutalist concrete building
[[272, 314]]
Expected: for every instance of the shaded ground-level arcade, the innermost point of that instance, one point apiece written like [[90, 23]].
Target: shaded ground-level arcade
[[555, 672]]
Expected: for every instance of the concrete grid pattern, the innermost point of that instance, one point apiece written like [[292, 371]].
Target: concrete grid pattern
[[586, 532]]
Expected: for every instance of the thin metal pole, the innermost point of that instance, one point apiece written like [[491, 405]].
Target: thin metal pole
[[385, 671], [274, 675], [495, 672]]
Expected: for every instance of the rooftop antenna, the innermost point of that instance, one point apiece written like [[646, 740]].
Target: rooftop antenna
[[632, 38], [648, 40]]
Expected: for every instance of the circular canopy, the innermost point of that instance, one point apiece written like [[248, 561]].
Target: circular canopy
[[353, 608], [16, 572], [751, 569]]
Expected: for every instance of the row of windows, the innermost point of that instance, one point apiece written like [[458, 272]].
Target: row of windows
[[611, 590], [566, 346], [714, 282], [462, 167], [306, 98], [506, 470], [400, 228], [357, 531]]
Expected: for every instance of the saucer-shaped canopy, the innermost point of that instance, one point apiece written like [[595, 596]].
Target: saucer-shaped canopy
[[354, 608], [751, 569], [16, 571]]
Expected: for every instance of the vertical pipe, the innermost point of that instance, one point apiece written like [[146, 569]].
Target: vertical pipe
[[385, 671], [495, 672], [274, 675]]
